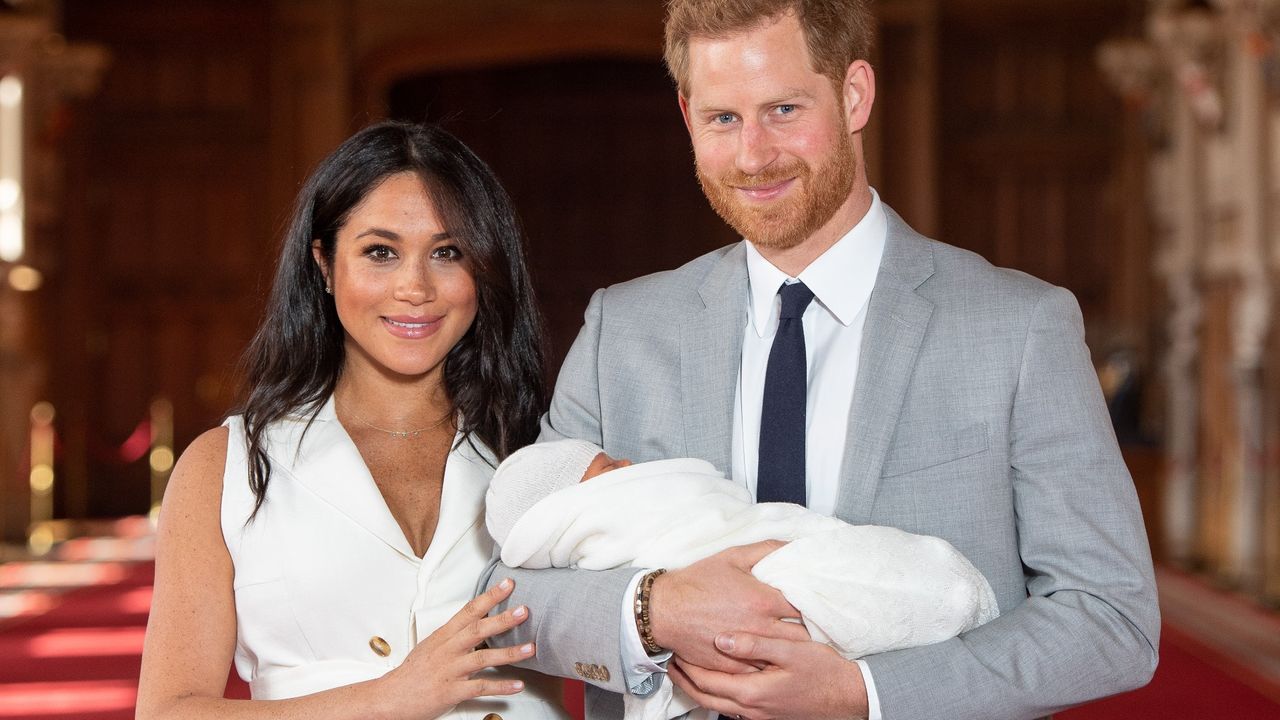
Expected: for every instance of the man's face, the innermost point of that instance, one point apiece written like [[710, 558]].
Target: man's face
[[773, 149]]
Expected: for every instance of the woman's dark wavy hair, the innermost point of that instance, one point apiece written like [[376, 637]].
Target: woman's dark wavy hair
[[493, 375]]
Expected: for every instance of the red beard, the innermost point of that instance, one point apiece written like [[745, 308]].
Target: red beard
[[786, 222]]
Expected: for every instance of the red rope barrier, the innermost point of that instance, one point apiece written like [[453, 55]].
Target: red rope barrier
[[134, 448]]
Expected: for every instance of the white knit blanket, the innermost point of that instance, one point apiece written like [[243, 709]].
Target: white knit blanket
[[862, 589]]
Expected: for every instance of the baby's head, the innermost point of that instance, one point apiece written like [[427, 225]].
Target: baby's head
[[602, 464], [535, 472]]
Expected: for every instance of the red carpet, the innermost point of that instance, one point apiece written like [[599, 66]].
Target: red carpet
[[71, 642], [71, 631], [1185, 686]]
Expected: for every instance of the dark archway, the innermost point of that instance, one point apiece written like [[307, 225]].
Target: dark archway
[[597, 160]]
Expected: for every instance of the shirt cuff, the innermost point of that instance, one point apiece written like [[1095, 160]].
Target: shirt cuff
[[641, 671], [873, 699]]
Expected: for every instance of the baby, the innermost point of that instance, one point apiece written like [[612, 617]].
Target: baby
[[863, 589]]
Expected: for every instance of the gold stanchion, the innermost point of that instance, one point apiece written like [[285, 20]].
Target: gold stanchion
[[161, 456], [40, 530]]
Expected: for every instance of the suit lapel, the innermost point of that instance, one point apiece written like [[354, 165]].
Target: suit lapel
[[897, 318], [710, 354]]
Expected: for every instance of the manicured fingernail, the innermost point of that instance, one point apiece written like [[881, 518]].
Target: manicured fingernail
[[505, 584], [517, 685], [520, 612], [526, 649], [724, 642]]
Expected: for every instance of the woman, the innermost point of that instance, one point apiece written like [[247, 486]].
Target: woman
[[330, 536]]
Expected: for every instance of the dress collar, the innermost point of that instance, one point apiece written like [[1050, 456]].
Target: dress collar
[[326, 461]]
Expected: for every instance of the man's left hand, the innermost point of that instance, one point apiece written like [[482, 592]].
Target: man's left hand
[[798, 679]]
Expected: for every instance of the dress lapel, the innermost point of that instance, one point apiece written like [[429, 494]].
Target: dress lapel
[[466, 478], [328, 464], [710, 355], [897, 318]]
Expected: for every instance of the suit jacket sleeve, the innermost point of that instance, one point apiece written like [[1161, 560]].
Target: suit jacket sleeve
[[574, 615], [1090, 625]]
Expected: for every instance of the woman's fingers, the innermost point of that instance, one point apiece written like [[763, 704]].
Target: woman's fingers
[[478, 631], [450, 657], [493, 657], [477, 610], [488, 686], [486, 601], [496, 624]]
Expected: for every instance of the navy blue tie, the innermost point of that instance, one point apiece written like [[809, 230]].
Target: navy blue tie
[[780, 473]]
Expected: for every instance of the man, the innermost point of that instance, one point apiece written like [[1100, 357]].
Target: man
[[899, 382]]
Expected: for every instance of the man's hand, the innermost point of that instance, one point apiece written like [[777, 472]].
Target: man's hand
[[799, 679], [718, 594]]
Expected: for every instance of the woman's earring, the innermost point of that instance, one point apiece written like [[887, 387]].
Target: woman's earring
[[328, 289]]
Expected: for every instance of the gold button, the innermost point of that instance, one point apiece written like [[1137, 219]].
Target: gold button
[[379, 646], [492, 716]]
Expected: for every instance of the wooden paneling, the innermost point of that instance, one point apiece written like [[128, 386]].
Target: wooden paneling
[[902, 138], [169, 236], [1030, 149]]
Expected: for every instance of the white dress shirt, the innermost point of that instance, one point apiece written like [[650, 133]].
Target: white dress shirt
[[841, 280]]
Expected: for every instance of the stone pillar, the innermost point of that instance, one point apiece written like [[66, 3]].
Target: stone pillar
[[1246, 48], [1182, 43]]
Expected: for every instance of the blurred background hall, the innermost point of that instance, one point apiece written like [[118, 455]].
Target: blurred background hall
[[1128, 150]]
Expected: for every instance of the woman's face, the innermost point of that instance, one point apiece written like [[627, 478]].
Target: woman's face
[[404, 292]]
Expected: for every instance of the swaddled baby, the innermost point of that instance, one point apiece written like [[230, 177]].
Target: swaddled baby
[[863, 589]]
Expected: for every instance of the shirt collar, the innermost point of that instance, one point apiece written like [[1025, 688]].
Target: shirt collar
[[841, 278]]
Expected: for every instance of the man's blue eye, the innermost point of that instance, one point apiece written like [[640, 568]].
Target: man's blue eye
[[786, 109], [724, 118]]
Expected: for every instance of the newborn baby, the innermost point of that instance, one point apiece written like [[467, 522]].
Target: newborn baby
[[863, 589]]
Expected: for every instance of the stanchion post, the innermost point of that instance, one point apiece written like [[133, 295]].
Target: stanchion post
[[40, 530], [161, 455]]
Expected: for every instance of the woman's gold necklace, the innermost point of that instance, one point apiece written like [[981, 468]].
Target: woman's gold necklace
[[399, 434]]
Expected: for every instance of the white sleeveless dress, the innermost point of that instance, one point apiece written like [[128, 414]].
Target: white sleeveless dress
[[327, 590]]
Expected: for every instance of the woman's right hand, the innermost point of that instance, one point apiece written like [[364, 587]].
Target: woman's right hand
[[437, 674]]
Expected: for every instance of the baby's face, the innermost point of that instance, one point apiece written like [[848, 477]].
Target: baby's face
[[601, 464]]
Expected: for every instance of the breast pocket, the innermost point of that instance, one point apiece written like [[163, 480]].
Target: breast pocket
[[928, 450]]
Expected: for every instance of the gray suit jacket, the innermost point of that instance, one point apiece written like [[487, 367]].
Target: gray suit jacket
[[976, 418]]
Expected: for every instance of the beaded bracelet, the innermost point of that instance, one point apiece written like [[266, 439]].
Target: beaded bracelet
[[643, 591]]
